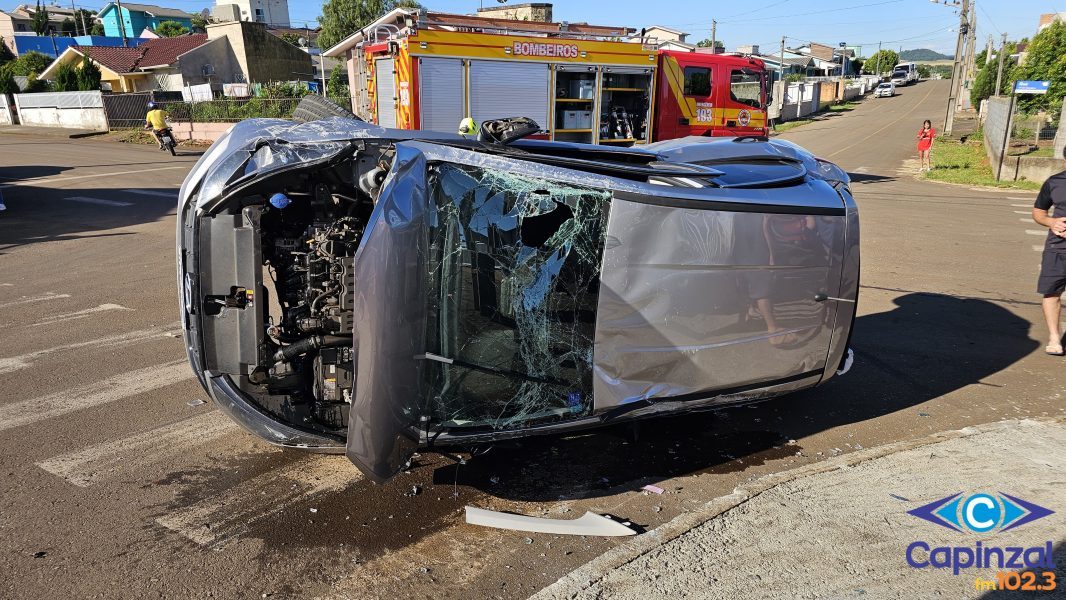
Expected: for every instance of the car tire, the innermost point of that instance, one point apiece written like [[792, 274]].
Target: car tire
[[314, 108]]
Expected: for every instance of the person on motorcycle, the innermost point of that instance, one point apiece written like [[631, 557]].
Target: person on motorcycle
[[156, 120]]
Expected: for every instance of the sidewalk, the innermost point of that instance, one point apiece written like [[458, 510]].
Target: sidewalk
[[48, 132], [840, 528]]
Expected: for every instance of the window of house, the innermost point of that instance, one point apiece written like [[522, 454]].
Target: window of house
[[697, 81], [259, 15]]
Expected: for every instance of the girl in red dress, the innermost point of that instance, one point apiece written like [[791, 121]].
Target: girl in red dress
[[925, 142]]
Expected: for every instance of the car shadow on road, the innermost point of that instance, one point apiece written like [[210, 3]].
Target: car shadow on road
[[22, 173], [929, 346], [37, 215], [867, 178]]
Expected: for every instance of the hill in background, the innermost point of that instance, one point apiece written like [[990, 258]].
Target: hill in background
[[921, 54]]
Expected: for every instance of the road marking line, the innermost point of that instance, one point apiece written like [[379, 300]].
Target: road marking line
[[32, 299], [116, 388], [901, 117], [22, 361], [1038, 247], [81, 314], [173, 194], [63, 178], [225, 515], [90, 465], [1016, 198], [1036, 231], [1026, 219], [1023, 212], [100, 201], [1022, 205]]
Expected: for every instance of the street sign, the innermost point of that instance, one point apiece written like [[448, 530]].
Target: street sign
[[1031, 87]]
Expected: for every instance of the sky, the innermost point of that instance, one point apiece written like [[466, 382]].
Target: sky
[[896, 23]]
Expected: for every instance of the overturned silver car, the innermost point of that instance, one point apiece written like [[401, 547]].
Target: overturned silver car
[[374, 291]]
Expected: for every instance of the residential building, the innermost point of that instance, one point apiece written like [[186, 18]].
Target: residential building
[[149, 66], [665, 34], [270, 12], [135, 18], [54, 46], [540, 12], [1049, 18], [19, 22], [236, 52]]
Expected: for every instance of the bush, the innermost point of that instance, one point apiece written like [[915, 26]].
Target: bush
[[88, 75], [66, 78]]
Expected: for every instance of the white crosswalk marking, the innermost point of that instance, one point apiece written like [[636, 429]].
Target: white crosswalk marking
[[131, 383], [1023, 212], [1036, 231], [81, 314], [90, 465], [100, 201], [222, 516], [173, 194], [14, 363], [32, 299]]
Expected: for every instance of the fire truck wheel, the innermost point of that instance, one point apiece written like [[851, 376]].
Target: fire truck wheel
[[313, 108]]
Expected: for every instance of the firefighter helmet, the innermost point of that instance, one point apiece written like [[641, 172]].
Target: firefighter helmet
[[468, 127]]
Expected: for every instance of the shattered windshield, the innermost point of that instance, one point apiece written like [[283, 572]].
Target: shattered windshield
[[513, 281], [269, 156]]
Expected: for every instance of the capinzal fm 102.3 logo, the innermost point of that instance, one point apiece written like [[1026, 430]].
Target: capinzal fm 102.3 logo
[[980, 513]]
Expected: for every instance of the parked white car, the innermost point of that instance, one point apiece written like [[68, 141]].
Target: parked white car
[[898, 78], [885, 89]]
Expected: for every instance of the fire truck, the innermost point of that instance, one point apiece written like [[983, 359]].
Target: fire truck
[[581, 83]]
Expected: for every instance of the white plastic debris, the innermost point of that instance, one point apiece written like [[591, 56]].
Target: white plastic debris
[[653, 489], [588, 524]]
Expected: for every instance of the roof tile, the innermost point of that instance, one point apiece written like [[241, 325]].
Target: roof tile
[[152, 53]]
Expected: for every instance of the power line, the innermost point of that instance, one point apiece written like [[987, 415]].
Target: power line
[[989, 17], [816, 12]]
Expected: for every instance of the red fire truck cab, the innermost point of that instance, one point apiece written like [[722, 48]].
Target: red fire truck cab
[[709, 94]]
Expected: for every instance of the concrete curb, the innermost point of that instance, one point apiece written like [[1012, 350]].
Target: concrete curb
[[587, 575], [50, 133]]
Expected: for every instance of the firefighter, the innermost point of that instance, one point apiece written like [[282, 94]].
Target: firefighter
[[468, 128]]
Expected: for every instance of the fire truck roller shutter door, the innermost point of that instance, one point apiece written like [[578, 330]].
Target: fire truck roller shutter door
[[501, 89], [385, 77], [441, 93]]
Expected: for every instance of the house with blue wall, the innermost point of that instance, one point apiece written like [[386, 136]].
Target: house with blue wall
[[135, 18], [55, 45]]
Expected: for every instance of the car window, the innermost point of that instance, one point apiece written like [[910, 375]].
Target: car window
[[745, 87], [697, 81]]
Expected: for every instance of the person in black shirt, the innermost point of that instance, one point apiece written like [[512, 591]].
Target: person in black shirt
[[1052, 279]]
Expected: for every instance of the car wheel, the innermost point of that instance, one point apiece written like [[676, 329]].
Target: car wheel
[[314, 108]]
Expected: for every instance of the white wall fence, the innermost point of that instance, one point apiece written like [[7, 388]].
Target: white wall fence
[[6, 115], [72, 110]]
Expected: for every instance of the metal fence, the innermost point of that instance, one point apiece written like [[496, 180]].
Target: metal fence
[[60, 100], [128, 110]]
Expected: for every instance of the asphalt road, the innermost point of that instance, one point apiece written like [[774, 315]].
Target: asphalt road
[[118, 484]]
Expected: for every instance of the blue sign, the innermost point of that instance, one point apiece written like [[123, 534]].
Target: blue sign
[[1031, 87]]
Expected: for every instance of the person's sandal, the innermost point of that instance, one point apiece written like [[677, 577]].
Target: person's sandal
[[1054, 350]]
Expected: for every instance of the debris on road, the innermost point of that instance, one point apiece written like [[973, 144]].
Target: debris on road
[[653, 489], [588, 524], [196, 402]]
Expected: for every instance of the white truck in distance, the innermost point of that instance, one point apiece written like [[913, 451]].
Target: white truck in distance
[[911, 70]]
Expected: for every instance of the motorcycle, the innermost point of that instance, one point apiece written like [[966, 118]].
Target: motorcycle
[[166, 137]]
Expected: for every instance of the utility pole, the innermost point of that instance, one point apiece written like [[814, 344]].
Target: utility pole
[[714, 36], [84, 27], [782, 70], [878, 63], [956, 69], [999, 69], [121, 24], [74, 14], [988, 50], [971, 42]]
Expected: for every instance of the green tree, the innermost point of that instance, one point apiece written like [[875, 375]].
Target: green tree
[[28, 63], [984, 82], [34, 85], [65, 78], [67, 27], [290, 37], [337, 86], [84, 19], [88, 75], [341, 18], [40, 23], [1045, 61], [199, 23], [171, 29], [718, 44], [97, 29], [7, 83], [6, 55], [924, 71], [881, 62]]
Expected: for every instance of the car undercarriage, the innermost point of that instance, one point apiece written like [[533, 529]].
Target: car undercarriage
[[351, 288]]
